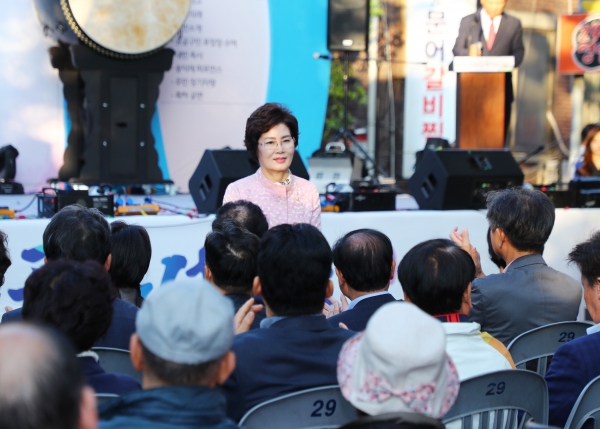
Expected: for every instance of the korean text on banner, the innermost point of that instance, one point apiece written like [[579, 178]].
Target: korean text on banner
[[430, 89]]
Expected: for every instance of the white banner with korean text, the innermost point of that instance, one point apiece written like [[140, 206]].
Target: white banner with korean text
[[430, 89]]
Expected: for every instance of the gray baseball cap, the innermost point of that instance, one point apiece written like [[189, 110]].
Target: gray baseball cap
[[186, 322]]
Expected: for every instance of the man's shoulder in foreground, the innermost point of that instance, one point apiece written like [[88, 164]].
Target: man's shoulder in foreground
[[167, 407], [292, 354]]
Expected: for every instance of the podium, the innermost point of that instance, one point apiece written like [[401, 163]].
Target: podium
[[481, 101]]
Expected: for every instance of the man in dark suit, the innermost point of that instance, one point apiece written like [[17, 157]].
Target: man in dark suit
[[577, 363], [491, 32], [364, 265], [231, 263], [81, 234], [295, 348], [528, 294]]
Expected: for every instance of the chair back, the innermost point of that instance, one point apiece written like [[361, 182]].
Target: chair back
[[540, 344], [400, 420], [117, 361], [317, 408], [504, 399], [101, 398], [586, 407]]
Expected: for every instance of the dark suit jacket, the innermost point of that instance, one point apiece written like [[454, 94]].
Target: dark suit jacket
[[509, 39], [106, 382], [119, 332], [356, 318], [529, 294], [240, 299], [573, 366], [293, 354]]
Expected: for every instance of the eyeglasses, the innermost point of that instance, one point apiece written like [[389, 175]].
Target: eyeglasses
[[270, 145]]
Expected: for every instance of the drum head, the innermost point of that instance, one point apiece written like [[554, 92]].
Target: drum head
[[125, 28]]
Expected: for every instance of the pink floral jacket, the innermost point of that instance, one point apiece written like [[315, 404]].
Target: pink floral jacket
[[297, 202]]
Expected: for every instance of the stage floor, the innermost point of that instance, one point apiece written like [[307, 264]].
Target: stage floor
[[177, 240]]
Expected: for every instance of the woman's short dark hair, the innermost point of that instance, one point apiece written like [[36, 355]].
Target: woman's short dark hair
[[434, 275], [525, 216], [231, 257], [294, 264], [262, 120], [364, 257], [586, 256], [74, 297], [131, 253]]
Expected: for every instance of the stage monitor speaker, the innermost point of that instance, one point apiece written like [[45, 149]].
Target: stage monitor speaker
[[348, 25], [461, 179], [219, 168]]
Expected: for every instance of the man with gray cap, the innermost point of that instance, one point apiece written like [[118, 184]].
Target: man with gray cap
[[183, 349]]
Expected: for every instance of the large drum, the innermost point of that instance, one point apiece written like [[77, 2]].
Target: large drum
[[123, 29]]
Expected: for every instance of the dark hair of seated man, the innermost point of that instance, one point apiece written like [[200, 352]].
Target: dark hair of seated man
[[41, 382], [5, 261], [131, 252], [434, 276], [525, 216], [78, 233], [230, 254], [246, 214], [294, 263], [497, 260], [74, 297], [365, 258], [586, 256]]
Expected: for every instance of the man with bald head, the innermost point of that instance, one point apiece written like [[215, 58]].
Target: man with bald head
[[41, 383], [364, 265]]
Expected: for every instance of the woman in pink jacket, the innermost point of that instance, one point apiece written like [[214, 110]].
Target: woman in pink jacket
[[271, 139]]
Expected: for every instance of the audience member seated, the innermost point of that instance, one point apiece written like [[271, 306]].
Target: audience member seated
[[436, 276], [528, 294], [246, 214], [131, 253], [230, 254], [364, 265], [81, 234], [577, 362], [296, 348], [183, 348], [383, 370], [76, 298], [41, 384]]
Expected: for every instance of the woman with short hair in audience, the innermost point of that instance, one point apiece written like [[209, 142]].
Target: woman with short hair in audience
[[590, 166], [131, 253], [383, 370], [76, 298], [271, 139]]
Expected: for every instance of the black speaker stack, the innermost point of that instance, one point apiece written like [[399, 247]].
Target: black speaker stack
[[348, 25], [461, 179]]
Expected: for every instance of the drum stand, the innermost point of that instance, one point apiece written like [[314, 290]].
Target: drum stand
[[111, 104]]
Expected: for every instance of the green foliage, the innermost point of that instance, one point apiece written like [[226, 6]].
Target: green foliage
[[357, 95]]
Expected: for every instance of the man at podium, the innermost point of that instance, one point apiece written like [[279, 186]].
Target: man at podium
[[491, 32]]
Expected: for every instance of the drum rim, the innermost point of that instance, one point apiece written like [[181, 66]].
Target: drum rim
[[81, 35]]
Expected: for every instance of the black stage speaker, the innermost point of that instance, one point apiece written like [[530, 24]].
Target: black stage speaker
[[461, 179], [219, 168], [348, 25]]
